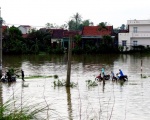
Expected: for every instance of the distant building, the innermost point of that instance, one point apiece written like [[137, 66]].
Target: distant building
[[138, 35], [94, 34], [4, 28], [56, 37], [66, 37], [25, 29]]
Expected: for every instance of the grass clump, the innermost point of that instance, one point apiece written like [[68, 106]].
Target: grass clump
[[7, 112], [37, 76], [55, 76], [144, 76], [91, 83], [60, 83]]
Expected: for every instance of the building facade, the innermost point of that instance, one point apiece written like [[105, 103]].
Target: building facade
[[138, 35], [25, 29]]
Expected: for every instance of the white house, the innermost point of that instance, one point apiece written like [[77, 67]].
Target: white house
[[25, 29], [139, 34]]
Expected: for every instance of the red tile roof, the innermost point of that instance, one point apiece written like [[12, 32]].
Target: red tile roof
[[57, 33], [4, 28], [94, 31]]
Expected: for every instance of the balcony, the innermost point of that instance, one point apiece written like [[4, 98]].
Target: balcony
[[138, 22], [140, 35]]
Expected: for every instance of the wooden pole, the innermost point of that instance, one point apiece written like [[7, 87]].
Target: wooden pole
[[1, 99], [1, 21], [69, 62]]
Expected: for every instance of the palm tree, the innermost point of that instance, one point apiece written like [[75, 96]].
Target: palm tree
[[77, 17], [49, 25]]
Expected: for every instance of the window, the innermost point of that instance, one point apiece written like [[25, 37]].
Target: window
[[135, 29], [124, 43], [134, 43]]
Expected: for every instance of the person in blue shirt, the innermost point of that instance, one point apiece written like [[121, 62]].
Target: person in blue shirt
[[103, 71], [121, 73]]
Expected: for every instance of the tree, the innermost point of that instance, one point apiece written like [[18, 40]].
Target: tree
[[77, 39], [107, 39], [77, 18], [13, 41], [64, 26], [102, 25], [76, 22], [50, 25], [122, 27], [71, 25], [85, 23]]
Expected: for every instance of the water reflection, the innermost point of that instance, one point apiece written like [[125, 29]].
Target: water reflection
[[131, 97], [69, 103]]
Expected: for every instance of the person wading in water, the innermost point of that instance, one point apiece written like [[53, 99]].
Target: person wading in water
[[22, 75]]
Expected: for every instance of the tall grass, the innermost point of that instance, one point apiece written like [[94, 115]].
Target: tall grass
[[8, 112]]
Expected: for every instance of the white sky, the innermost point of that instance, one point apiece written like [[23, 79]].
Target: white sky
[[40, 12]]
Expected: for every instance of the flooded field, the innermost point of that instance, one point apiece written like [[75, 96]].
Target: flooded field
[[113, 101]]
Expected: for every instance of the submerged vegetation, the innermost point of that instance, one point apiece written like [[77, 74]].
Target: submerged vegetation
[[91, 83], [55, 76], [37, 76], [60, 83], [40, 76]]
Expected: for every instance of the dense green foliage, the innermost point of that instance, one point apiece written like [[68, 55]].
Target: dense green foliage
[[36, 41], [39, 41]]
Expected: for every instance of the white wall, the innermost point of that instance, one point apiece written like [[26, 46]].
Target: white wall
[[141, 41], [140, 28], [142, 36], [124, 36], [24, 30]]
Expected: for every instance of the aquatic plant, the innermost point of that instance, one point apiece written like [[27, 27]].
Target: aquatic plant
[[91, 83], [37, 76], [60, 83], [143, 76], [55, 76]]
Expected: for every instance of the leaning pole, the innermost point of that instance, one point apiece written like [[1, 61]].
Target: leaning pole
[[1, 21]]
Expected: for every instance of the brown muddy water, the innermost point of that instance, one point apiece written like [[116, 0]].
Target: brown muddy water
[[114, 101]]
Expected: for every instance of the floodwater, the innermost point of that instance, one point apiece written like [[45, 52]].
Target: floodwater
[[113, 101]]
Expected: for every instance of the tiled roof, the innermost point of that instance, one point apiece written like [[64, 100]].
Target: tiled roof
[[4, 28], [56, 33], [94, 31], [67, 33]]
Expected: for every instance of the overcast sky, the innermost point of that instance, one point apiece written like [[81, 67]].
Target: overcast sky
[[40, 12]]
